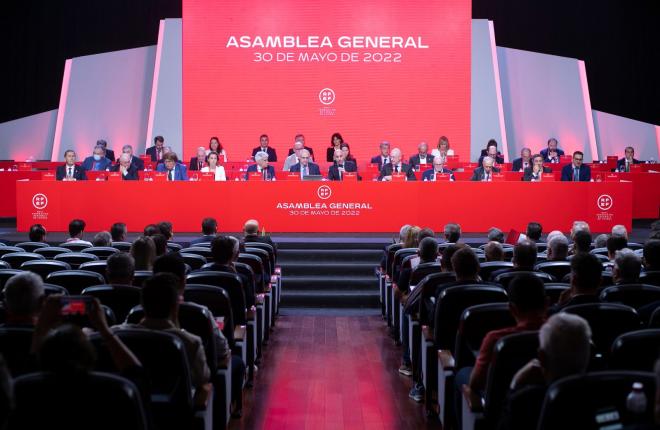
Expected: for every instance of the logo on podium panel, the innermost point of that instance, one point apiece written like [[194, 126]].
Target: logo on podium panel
[[39, 201]]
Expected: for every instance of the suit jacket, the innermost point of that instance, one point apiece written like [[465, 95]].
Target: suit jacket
[[151, 151], [137, 162], [379, 159], [272, 155], [405, 168], [104, 164], [132, 174], [193, 163], [254, 168], [311, 151], [180, 173], [544, 154], [621, 164], [518, 164], [499, 159], [204, 239], [313, 169], [527, 174], [478, 174], [567, 173], [78, 173], [289, 161], [333, 172], [428, 174], [414, 160], [110, 154]]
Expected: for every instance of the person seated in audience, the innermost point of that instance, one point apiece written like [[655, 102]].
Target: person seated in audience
[[293, 158], [304, 166], [485, 172], [422, 156], [579, 226], [150, 230], [395, 166], [614, 244], [225, 250], [601, 240], [452, 232], [523, 162], [552, 234], [534, 231], [118, 232], [216, 146], [564, 350], [403, 232], [412, 237], [651, 255], [69, 171], [261, 166], [160, 242], [37, 233], [466, 266], [263, 147], [384, 157], [438, 169], [620, 230], [120, 269], [127, 169], [557, 248], [421, 235], [301, 138], [524, 259], [586, 274], [76, 231], [552, 153], [443, 148], [175, 170], [581, 242], [535, 172], [627, 267], [24, 297], [135, 161], [492, 152], [199, 160], [97, 162], [251, 234], [340, 166], [335, 144], [576, 171], [102, 238], [166, 229], [109, 153], [623, 164], [495, 235], [143, 251], [209, 230], [157, 152], [447, 254], [214, 167], [494, 251]]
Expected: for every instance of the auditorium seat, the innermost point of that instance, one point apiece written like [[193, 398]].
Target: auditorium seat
[[599, 251], [102, 252], [422, 270], [10, 249], [31, 246], [15, 259], [263, 288], [195, 261], [75, 280], [199, 250], [541, 247], [74, 246], [43, 268], [174, 247], [558, 269], [4, 265], [99, 267], [255, 263], [122, 246], [636, 350], [266, 247], [487, 268], [5, 274], [651, 277], [633, 295], [553, 290], [507, 254], [120, 298], [269, 266], [75, 259], [16, 347], [51, 251], [574, 402], [139, 277], [389, 257], [631, 245], [398, 260], [505, 278], [55, 289]]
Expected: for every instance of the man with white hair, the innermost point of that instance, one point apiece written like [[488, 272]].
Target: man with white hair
[[340, 166], [438, 169], [24, 295], [578, 226], [485, 172], [137, 162], [620, 231], [627, 267], [422, 156], [294, 158], [452, 232], [199, 160], [557, 247], [395, 166], [304, 166], [261, 166], [126, 168]]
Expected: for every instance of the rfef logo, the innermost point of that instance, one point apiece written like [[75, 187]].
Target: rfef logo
[[39, 201], [605, 202], [327, 96], [324, 192]]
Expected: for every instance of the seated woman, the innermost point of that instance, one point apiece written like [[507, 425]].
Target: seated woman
[[216, 146], [214, 167], [335, 143], [443, 148], [346, 150]]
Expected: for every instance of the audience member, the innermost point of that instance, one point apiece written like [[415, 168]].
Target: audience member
[[120, 269], [620, 231], [37, 233], [447, 254], [534, 231], [495, 235], [76, 230], [452, 232], [614, 244], [524, 259], [118, 232], [102, 238], [601, 241], [581, 242], [651, 255], [150, 230], [627, 267], [263, 147], [466, 267], [586, 273], [160, 242], [557, 248], [24, 296], [412, 237], [209, 230], [143, 250], [251, 234], [69, 171], [165, 228], [494, 251]]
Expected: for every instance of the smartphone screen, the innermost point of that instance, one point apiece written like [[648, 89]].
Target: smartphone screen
[[75, 305]]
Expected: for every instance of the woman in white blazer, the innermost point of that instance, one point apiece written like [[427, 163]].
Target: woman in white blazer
[[213, 166]]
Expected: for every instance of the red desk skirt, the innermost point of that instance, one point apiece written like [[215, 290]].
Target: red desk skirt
[[8, 187], [288, 206]]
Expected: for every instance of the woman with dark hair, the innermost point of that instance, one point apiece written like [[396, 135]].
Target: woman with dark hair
[[216, 146], [214, 167], [346, 150], [335, 143]]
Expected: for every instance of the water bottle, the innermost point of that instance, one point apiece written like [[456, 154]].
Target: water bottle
[[636, 402]]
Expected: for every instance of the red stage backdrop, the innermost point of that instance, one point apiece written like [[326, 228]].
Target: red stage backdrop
[[371, 70]]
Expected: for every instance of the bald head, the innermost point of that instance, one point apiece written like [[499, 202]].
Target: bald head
[[251, 226]]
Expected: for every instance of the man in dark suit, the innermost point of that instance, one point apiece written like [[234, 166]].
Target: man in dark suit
[[552, 153], [263, 147], [251, 231], [336, 171], [384, 157], [485, 172], [261, 166], [301, 138], [576, 171], [225, 251], [209, 230], [175, 171], [135, 161], [422, 156], [109, 153], [198, 161], [523, 162], [535, 172], [396, 166], [128, 171], [157, 151], [623, 165], [97, 161], [524, 259], [69, 171], [586, 274], [492, 152], [304, 166], [438, 168]]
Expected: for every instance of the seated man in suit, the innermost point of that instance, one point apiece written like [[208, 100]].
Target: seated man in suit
[[396, 166], [551, 154], [294, 158], [524, 259], [438, 168], [209, 231], [157, 151], [300, 138], [485, 172], [251, 234], [128, 171], [135, 161], [263, 147], [576, 171], [422, 156], [69, 171], [304, 166], [97, 161], [535, 172], [586, 274], [225, 250], [198, 161], [492, 152], [523, 162], [261, 166], [175, 170], [109, 153], [623, 165], [384, 157], [337, 170]]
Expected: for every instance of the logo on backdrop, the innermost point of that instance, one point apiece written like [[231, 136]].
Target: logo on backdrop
[[39, 201], [327, 96], [605, 202], [324, 192]]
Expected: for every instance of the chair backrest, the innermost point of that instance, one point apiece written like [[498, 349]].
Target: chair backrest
[[599, 251], [399, 255], [631, 245], [10, 249], [95, 400], [102, 252], [606, 279], [140, 275], [51, 251], [428, 288], [389, 256], [636, 350], [199, 250], [99, 267], [553, 290], [43, 268], [558, 269], [55, 289], [74, 246], [120, 298], [573, 402], [266, 247], [650, 277], [75, 280], [505, 279], [195, 261], [122, 246], [507, 254], [269, 266], [174, 247], [75, 259], [541, 247], [450, 304], [15, 347], [230, 282], [5, 274], [250, 287], [4, 265], [633, 295], [31, 246], [423, 270], [476, 321], [216, 300], [15, 259], [261, 277], [492, 266]]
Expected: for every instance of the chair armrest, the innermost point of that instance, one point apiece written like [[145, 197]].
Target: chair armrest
[[260, 298], [427, 333], [239, 332], [446, 359], [251, 314], [473, 400]]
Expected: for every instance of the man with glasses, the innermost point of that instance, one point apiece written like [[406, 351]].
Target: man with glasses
[[576, 171], [304, 166]]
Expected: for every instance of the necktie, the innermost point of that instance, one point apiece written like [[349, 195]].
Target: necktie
[[576, 174], [627, 166], [264, 174], [70, 174], [487, 177], [396, 169], [305, 171], [171, 175], [159, 154]]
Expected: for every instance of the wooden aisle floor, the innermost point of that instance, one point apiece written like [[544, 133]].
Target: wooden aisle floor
[[331, 372]]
